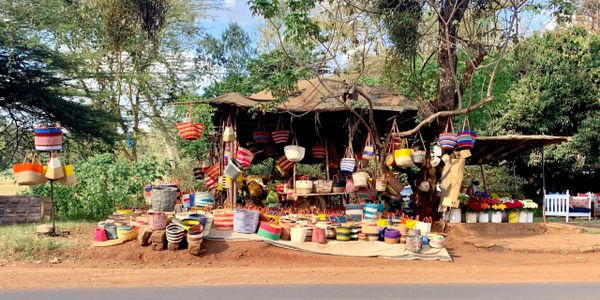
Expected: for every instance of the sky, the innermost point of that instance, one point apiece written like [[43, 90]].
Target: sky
[[232, 11]]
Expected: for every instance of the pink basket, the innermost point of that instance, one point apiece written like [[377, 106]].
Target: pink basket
[[244, 157]]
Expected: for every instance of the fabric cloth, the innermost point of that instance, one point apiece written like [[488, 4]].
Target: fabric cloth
[[345, 248]]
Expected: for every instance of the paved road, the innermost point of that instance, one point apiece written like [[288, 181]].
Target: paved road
[[412, 292]]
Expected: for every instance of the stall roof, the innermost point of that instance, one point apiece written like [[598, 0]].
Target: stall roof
[[320, 94], [495, 149]]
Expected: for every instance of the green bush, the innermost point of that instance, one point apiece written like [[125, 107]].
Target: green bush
[[104, 182]]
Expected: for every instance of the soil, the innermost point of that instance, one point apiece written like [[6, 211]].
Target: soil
[[235, 263]]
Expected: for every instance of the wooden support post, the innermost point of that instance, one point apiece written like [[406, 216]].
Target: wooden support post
[[543, 186], [485, 188], [326, 158]]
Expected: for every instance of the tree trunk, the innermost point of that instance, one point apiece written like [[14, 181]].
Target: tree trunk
[[451, 13]]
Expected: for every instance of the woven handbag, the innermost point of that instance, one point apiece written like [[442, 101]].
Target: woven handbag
[[29, 172], [280, 135], [466, 137], [448, 139], [190, 130], [348, 163], [368, 152]]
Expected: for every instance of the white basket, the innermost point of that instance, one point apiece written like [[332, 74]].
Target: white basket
[[294, 153]]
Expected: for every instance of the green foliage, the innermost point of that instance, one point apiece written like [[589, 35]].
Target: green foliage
[[300, 27], [104, 182], [401, 18], [557, 94], [499, 180]]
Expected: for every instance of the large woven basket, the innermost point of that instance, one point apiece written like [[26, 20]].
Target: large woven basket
[[163, 198]]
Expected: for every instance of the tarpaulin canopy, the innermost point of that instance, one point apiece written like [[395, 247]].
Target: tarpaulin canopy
[[495, 149]]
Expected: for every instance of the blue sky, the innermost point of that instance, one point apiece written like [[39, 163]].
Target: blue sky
[[238, 11], [232, 11]]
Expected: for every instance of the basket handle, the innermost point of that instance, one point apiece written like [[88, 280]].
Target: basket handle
[[466, 124]]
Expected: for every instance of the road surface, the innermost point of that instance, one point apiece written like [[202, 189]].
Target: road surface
[[261, 292]]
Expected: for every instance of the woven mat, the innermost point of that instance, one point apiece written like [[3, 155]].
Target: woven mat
[[351, 248]]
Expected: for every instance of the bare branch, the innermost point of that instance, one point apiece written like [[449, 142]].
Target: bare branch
[[447, 113]]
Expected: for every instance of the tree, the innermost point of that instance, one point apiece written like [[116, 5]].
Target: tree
[[557, 94], [416, 32], [135, 54], [34, 89]]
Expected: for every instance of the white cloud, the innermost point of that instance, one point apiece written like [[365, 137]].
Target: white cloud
[[230, 3]]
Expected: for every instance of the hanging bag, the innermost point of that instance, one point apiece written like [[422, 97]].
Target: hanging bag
[[190, 130], [228, 131], [369, 149], [393, 144], [29, 172], [448, 139], [348, 163], [402, 155], [55, 169], [294, 153], [418, 155], [260, 135], [283, 165], [280, 135], [244, 156], [466, 137], [69, 172], [214, 172]]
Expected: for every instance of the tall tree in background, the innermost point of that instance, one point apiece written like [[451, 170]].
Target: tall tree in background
[[557, 94], [34, 89], [135, 54], [442, 28]]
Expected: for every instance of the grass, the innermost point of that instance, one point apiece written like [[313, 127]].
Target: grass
[[21, 242]]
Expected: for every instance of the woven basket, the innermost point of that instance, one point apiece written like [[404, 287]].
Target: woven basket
[[163, 198]]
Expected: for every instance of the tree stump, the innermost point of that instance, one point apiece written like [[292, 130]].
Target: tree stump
[[144, 236], [158, 240]]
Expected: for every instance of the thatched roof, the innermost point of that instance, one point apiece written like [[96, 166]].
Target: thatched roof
[[320, 94], [495, 149]]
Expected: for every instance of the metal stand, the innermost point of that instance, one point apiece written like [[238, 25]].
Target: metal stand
[[53, 229]]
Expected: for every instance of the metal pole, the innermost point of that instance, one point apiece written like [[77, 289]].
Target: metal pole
[[53, 231]]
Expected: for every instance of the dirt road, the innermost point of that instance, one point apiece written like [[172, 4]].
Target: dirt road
[[258, 263]]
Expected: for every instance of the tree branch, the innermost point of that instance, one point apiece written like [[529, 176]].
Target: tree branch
[[446, 113]]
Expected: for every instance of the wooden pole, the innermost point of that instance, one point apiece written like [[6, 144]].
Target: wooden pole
[[543, 186], [483, 178], [326, 158]]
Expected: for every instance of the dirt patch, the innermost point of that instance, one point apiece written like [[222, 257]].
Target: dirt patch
[[527, 238]]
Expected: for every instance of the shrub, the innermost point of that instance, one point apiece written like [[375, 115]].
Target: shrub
[[104, 182]]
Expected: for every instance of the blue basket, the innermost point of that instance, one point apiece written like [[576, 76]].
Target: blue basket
[[245, 221]]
